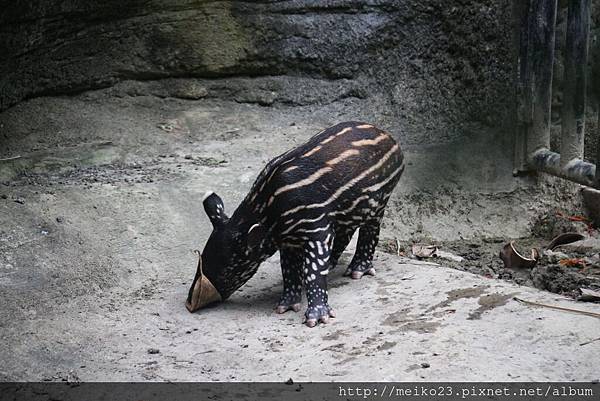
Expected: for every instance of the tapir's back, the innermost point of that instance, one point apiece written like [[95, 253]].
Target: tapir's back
[[333, 171]]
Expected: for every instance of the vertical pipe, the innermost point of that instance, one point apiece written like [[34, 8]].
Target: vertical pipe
[[598, 152], [542, 21], [574, 91], [523, 112]]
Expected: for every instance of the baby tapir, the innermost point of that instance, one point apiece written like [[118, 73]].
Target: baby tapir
[[306, 203]]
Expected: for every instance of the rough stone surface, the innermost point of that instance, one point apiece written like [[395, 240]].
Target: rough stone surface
[[431, 58]]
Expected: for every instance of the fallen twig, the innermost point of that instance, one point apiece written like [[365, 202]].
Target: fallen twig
[[582, 312], [581, 219], [591, 341], [10, 158], [572, 218]]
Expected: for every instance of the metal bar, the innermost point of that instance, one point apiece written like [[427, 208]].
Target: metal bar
[[574, 90], [542, 24], [575, 170]]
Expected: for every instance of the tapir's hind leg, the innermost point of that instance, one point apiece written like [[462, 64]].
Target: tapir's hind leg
[[368, 235], [362, 262], [343, 235], [292, 263]]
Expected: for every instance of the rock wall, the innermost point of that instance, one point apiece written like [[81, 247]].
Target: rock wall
[[443, 64]]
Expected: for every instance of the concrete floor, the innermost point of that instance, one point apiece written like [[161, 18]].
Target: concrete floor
[[413, 321], [96, 261]]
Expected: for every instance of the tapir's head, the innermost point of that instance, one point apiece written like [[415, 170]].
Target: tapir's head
[[222, 267]]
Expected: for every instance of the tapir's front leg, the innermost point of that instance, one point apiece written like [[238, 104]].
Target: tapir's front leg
[[291, 268], [317, 254]]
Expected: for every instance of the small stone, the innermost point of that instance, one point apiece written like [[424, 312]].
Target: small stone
[[425, 365], [20, 201], [4, 196], [153, 351], [59, 219], [188, 157], [289, 381]]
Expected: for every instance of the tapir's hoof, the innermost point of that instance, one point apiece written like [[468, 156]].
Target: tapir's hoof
[[357, 274], [284, 308], [313, 322], [323, 313]]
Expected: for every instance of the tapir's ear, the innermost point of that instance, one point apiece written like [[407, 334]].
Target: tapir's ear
[[255, 235], [213, 206]]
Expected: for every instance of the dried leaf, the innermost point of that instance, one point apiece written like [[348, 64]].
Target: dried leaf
[[424, 251], [431, 251], [448, 255], [572, 262], [588, 295]]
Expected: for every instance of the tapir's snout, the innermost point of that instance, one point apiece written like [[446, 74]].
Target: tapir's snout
[[202, 293]]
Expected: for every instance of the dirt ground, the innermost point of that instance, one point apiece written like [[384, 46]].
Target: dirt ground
[[100, 210], [563, 270]]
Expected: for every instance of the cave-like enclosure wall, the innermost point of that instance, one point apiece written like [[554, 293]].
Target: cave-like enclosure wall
[[438, 74], [444, 65]]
